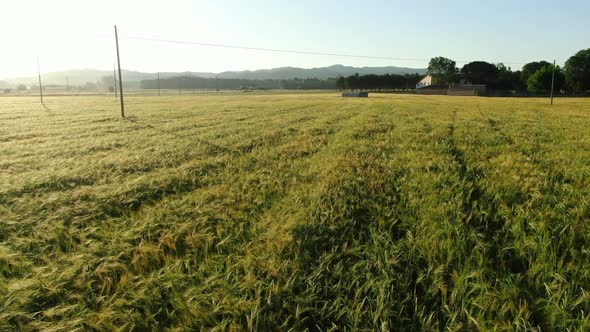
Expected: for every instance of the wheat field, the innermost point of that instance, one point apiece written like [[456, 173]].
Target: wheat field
[[284, 211]]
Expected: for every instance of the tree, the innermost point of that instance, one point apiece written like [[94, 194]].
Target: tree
[[577, 71], [508, 79], [21, 87], [540, 81], [341, 83], [480, 72], [442, 70], [90, 86], [106, 81], [530, 68]]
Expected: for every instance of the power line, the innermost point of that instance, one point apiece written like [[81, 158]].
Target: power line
[[277, 50], [270, 49]]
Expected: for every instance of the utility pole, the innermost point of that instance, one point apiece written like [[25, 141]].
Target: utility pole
[[158, 83], [179, 87], [552, 81], [67, 83], [115, 80], [120, 76], [40, 85]]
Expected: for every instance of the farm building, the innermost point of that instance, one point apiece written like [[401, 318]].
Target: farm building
[[462, 88], [467, 90], [426, 81], [433, 90]]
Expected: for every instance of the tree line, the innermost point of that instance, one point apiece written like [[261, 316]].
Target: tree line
[[201, 83], [378, 82], [534, 77], [353, 82]]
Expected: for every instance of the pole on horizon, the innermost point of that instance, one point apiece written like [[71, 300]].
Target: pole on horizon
[[115, 80], [552, 82], [120, 76], [67, 83], [158, 83], [40, 85]]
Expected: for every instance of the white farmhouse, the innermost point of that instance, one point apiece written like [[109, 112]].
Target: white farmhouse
[[426, 81]]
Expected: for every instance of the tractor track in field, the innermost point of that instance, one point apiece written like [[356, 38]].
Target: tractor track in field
[[480, 210]]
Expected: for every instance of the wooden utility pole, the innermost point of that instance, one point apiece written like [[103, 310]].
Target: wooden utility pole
[[40, 85], [552, 81], [120, 76], [158, 83], [115, 80]]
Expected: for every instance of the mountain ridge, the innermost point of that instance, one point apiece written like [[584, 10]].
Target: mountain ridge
[[81, 76]]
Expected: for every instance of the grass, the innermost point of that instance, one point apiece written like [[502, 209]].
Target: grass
[[294, 212]]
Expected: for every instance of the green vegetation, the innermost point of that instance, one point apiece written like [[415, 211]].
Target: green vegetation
[[530, 68], [294, 212], [577, 71], [541, 80], [189, 82], [535, 77], [442, 70], [379, 82]]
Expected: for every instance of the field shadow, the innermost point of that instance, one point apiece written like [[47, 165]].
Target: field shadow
[[46, 107]]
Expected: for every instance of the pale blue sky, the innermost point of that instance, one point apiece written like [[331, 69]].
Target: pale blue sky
[[69, 34]]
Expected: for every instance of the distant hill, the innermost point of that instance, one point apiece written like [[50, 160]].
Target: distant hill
[[81, 76], [322, 72]]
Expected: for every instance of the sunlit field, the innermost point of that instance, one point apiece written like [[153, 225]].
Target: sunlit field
[[254, 211]]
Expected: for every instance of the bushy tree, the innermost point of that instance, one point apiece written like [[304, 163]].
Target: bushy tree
[[480, 72], [107, 81], [442, 70], [507, 79], [577, 71], [530, 68], [540, 81], [341, 83]]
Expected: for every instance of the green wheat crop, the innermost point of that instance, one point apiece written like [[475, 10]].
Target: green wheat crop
[[294, 212]]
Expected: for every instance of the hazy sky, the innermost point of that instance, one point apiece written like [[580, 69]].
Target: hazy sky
[[79, 34]]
